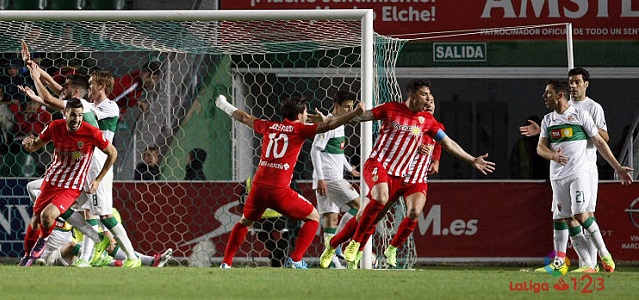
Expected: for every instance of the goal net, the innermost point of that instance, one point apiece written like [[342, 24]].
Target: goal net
[[256, 58]]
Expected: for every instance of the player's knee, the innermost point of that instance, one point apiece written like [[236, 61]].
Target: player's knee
[[354, 203], [581, 218], [313, 216], [413, 214], [246, 222]]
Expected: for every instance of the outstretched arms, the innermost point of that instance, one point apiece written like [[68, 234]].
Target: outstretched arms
[[333, 122], [480, 163], [233, 111], [604, 150], [532, 129]]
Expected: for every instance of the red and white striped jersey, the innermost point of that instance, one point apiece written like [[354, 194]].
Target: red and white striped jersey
[[72, 154], [418, 170], [400, 135]]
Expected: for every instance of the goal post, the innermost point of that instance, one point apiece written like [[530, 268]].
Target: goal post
[[255, 57]]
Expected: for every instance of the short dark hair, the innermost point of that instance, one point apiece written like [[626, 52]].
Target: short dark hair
[[73, 103], [293, 106], [80, 82], [343, 96], [560, 86], [152, 67], [415, 84], [580, 71]]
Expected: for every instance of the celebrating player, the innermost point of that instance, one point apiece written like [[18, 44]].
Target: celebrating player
[[74, 143], [281, 145], [403, 127]]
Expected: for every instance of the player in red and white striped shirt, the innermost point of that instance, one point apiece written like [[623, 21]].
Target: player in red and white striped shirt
[[401, 134], [424, 164], [74, 142]]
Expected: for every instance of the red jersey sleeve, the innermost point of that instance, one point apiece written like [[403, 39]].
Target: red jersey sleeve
[[99, 139], [47, 133], [308, 130], [379, 111]]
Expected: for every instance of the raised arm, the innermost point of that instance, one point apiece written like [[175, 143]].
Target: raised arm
[[234, 112], [46, 78], [333, 122], [47, 98], [480, 163]]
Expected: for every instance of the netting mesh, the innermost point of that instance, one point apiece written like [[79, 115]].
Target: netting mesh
[[173, 125]]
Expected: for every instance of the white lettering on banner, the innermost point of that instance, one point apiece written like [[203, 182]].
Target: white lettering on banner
[[575, 10], [630, 246], [456, 228], [459, 52], [394, 14], [22, 210]]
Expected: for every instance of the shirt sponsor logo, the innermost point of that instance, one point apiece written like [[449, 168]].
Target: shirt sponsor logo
[[274, 165], [415, 130], [72, 154], [561, 133]]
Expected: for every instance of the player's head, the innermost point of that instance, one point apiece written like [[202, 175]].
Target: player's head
[[150, 74], [100, 82], [73, 112], [294, 108], [418, 91], [579, 80], [430, 104], [343, 102], [555, 92], [75, 86]]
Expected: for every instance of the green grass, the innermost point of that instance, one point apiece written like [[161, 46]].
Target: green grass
[[267, 283]]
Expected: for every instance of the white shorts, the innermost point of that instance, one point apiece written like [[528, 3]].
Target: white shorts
[[100, 203], [57, 239], [594, 185], [571, 195], [340, 192]]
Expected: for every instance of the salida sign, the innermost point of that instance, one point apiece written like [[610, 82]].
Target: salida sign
[[592, 20]]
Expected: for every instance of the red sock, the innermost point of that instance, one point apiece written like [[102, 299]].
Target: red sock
[[367, 236], [235, 240], [30, 239], [46, 231], [304, 239], [367, 220], [406, 227], [345, 234]]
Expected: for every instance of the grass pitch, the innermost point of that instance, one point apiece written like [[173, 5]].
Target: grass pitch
[[267, 283]]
